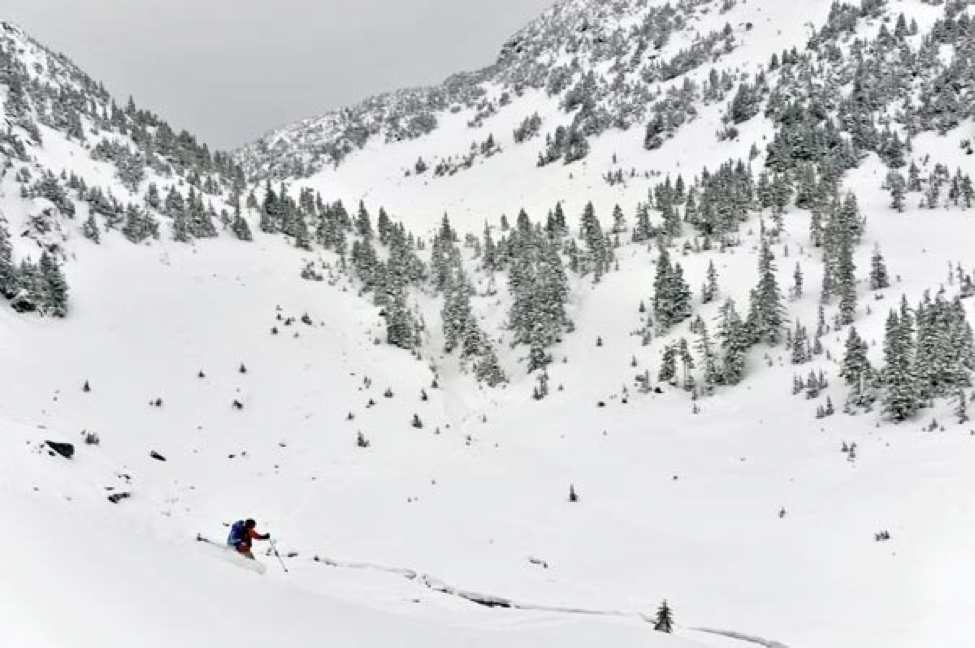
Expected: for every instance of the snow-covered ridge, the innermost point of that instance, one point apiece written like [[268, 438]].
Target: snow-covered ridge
[[630, 44], [78, 165]]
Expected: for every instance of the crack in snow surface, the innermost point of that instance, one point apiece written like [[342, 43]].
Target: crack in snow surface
[[487, 600], [760, 641]]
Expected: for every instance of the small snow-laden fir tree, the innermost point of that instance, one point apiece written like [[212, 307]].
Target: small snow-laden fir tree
[[961, 406], [54, 291], [366, 264], [363, 224], [384, 226], [691, 212], [668, 364], [672, 296], [528, 128], [856, 366], [840, 237], [175, 208], [457, 315], [710, 291], [445, 256], [139, 224], [642, 230], [900, 398], [664, 621], [687, 364], [239, 225], [734, 338], [797, 282], [967, 191], [538, 356], [746, 103], [401, 330], [879, 279], [90, 229], [897, 186], [670, 215], [181, 229], [598, 246], [298, 228], [8, 271], [576, 146], [781, 196], [709, 361], [491, 260], [30, 289], [766, 315], [816, 233], [801, 353], [152, 197], [846, 280], [487, 369], [199, 218], [619, 220], [271, 211], [559, 225], [913, 177]]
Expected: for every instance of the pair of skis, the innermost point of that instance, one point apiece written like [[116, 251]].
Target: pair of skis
[[274, 548]]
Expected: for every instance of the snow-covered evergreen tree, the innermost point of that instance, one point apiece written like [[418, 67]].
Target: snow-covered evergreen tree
[[664, 621], [671, 294], [735, 339], [710, 290], [900, 398], [54, 290], [878, 271], [856, 366], [766, 314]]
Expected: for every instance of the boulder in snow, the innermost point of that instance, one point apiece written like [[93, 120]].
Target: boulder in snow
[[66, 450]]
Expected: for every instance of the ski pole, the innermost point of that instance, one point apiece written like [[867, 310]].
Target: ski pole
[[275, 549]]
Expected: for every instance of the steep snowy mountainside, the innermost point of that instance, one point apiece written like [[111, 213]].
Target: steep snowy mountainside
[[612, 59], [599, 71], [623, 93], [77, 165]]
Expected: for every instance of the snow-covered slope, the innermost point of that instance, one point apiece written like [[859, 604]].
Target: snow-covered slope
[[80, 570], [624, 43], [413, 503]]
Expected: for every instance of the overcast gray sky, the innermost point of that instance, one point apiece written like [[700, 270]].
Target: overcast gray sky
[[230, 70]]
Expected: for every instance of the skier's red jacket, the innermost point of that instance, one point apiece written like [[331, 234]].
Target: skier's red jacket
[[252, 534]]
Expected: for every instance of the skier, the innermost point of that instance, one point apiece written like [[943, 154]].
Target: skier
[[242, 534]]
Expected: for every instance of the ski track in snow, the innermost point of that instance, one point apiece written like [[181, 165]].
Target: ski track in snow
[[487, 600], [492, 601], [760, 641]]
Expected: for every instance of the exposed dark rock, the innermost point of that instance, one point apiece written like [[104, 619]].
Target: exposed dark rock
[[66, 450]]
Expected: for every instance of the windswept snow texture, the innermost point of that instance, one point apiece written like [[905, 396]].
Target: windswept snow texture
[[277, 398]]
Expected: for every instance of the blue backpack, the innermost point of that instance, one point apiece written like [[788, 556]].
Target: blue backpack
[[237, 533]]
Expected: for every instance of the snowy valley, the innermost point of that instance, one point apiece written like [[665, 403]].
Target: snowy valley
[[671, 303]]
